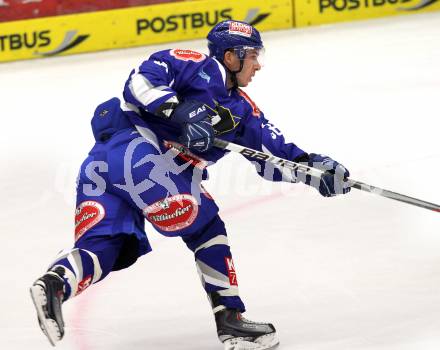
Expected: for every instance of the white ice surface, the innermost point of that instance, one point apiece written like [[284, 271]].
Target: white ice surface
[[360, 272]]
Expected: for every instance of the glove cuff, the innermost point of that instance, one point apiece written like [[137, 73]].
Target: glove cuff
[[166, 109]]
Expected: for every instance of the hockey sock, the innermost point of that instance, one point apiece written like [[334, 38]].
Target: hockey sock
[[215, 265], [79, 269], [90, 261]]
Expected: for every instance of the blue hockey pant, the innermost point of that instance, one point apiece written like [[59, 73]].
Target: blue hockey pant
[[126, 180]]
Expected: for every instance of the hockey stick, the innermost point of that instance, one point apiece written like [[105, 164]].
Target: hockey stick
[[257, 155]]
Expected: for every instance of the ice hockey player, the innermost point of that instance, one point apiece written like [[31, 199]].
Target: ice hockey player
[[148, 162]]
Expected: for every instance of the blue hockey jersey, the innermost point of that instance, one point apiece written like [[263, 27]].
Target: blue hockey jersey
[[175, 75]]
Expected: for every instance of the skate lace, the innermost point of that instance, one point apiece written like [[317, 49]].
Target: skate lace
[[251, 322]]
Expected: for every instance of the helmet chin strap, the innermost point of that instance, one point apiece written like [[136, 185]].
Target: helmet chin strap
[[233, 74]]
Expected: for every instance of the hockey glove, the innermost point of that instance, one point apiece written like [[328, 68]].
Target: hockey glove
[[196, 129], [334, 179]]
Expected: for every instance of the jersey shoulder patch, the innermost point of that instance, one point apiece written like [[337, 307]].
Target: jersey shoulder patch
[[255, 110], [187, 55]]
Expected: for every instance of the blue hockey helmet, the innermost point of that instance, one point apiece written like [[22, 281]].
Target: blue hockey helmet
[[233, 35]]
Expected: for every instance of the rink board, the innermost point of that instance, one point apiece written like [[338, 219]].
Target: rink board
[[316, 12], [136, 26]]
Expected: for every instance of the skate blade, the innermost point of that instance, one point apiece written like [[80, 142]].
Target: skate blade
[[265, 342], [49, 327]]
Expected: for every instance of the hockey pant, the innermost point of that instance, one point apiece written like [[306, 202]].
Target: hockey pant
[[130, 178]]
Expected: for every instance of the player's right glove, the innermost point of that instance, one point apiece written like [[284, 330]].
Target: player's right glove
[[333, 181], [196, 127]]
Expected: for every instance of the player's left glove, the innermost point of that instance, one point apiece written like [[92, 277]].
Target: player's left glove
[[196, 129], [333, 181]]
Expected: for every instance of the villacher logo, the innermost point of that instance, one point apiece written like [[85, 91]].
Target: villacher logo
[[70, 41]]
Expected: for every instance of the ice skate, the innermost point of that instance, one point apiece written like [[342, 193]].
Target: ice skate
[[47, 294], [238, 333]]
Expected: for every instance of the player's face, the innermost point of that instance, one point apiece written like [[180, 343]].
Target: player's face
[[251, 64]]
